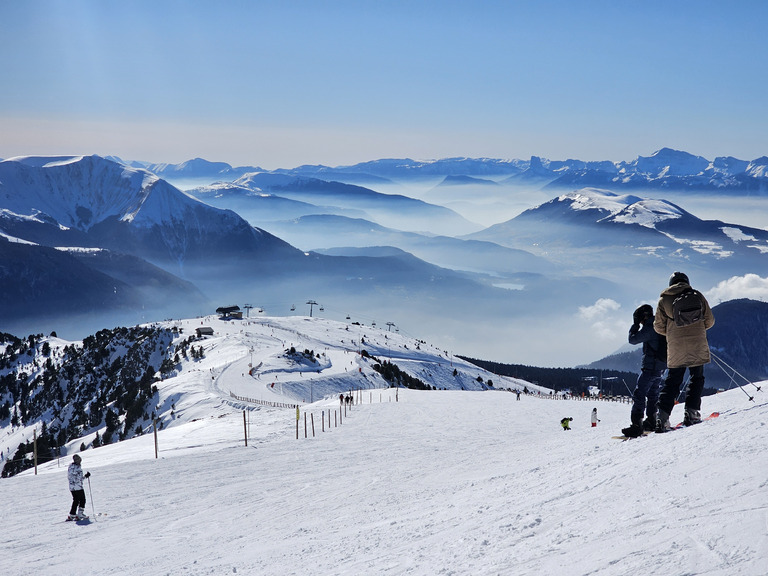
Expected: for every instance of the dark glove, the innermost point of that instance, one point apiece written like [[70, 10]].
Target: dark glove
[[87, 475], [635, 328]]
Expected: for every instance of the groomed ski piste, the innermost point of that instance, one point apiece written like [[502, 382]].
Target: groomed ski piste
[[439, 482]]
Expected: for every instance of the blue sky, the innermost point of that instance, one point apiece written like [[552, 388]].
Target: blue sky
[[279, 84]]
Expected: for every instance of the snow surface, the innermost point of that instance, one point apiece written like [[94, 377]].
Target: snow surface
[[411, 482]]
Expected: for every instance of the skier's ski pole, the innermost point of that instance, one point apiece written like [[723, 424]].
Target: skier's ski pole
[[717, 363], [723, 362], [90, 493], [683, 389]]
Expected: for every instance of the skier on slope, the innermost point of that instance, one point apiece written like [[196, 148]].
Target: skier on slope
[[687, 347], [566, 423], [646, 394], [75, 477], [594, 418]]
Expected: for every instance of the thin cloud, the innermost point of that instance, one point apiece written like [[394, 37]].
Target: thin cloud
[[748, 286], [604, 317]]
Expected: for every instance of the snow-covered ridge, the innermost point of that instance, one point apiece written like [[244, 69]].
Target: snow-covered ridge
[[626, 208], [269, 360], [77, 192]]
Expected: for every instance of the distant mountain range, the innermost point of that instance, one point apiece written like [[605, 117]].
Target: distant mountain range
[[90, 237], [665, 169]]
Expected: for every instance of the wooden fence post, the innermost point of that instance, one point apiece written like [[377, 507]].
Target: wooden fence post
[[305, 424], [245, 430], [34, 435], [154, 428], [312, 417], [297, 421]]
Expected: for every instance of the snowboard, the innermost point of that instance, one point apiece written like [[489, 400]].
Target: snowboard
[[622, 437]]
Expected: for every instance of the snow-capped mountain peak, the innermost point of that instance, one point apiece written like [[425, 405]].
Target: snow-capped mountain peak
[[597, 199], [624, 208], [77, 192]]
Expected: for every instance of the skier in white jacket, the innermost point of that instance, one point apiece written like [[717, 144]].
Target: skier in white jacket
[[75, 477]]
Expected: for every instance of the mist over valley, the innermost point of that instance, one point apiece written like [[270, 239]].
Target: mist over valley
[[511, 261]]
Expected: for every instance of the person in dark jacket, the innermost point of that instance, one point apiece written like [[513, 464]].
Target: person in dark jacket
[[646, 394], [687, 347]]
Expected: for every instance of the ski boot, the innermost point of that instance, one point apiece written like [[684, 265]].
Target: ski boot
[[636, 428], [691, 417], [662, 422], [649, 424], [81, 514]]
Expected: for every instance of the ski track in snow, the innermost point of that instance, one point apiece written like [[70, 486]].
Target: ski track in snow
[[437, 483]]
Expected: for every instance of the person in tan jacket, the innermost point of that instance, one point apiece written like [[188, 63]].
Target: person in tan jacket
[[683, 315]]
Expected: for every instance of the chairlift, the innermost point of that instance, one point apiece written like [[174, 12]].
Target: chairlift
[[373, 323], [293, 307], [261, 310], [348, 317], [321, 309]]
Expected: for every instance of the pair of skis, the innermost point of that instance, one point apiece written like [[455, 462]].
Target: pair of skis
[[86, 519], [678, 427]]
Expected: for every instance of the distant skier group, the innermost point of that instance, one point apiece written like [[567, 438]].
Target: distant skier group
[[566, 422]]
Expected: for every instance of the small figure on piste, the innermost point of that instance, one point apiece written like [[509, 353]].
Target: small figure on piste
[[75, 477], [566, 423], [594, 418], [646, 394]]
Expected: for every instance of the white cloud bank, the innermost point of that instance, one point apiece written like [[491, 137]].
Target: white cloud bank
[[748, 286]]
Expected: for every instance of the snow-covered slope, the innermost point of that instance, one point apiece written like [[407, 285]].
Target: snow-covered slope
[[402, 482], [58, 188]]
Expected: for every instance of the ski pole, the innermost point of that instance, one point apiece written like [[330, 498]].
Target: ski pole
[[716, 357], [717, 363], [683, 389], [90, 493]]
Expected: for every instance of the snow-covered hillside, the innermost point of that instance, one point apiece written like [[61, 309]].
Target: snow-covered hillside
[[403, 482]]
